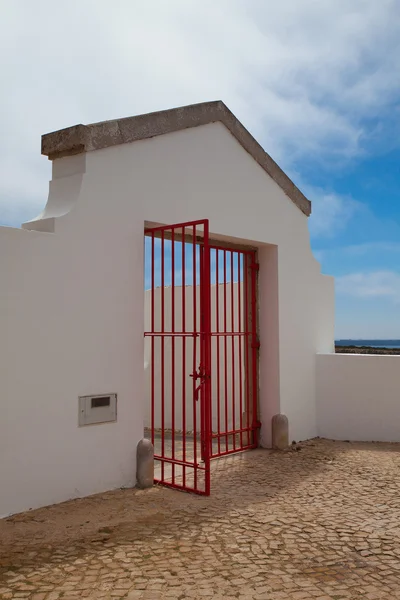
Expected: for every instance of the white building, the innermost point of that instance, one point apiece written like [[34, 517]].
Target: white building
[[71, 303]]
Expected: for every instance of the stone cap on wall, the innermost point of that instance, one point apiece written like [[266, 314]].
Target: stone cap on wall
[[86, 138]]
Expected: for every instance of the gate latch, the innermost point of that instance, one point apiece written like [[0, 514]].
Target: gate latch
[[200, 374]]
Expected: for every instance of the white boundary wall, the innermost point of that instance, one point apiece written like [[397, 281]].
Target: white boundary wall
[[358, 397], [71, 305]]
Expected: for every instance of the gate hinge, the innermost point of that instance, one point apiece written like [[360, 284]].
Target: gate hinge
[[256, 345], [255, 266], [257, 425]]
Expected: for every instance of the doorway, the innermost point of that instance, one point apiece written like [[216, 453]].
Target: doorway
[[201, 352]]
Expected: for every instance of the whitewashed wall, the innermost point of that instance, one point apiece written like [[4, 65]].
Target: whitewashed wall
[[358, 397], [71, 305]]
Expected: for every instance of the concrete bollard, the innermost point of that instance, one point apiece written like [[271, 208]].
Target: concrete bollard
[[144, 464], [280, 432]]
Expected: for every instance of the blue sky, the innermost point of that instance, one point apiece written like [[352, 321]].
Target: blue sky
[[316, 82], [364, 252]]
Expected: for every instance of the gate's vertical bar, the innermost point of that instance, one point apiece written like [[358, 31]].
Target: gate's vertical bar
[[254, 346], [240, 350], [233, 351], [206, 394], [162, 354], [152, 339], [183, 360], [195, 329], [202, 350], [173, 349], [217, 340], [225, 356], [248, 343]]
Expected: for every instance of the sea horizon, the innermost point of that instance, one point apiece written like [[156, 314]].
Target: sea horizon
[[373, 343]]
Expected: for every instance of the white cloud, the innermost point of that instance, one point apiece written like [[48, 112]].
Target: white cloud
[[378, 284], [330, 212], [301, 75], [377, 251], [368, 248]]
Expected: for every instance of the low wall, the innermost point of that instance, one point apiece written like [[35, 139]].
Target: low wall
[[358, 397]]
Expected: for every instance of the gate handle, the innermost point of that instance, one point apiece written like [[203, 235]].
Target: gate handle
[[197, 392]]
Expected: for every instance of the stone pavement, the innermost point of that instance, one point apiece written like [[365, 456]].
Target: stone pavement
[[321, 521]]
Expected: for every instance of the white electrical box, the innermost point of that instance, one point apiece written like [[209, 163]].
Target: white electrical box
[[97, 409]]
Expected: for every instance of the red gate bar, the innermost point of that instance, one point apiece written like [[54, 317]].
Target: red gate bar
[[233, 349], [255, 347], [173, 351], [184, 358], [240, 352], [226, 355], [217, 353]]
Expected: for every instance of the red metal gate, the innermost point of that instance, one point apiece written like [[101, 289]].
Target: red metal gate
[[201, 345], [179, 352], [234, 350]]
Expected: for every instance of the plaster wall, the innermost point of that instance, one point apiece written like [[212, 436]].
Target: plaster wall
[[358, 397]]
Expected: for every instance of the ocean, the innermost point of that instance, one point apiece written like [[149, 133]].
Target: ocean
[[371, 343]]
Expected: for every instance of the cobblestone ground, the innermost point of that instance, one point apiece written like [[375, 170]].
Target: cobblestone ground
[[321, 521]]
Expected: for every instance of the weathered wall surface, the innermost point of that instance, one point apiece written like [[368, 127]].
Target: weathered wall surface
[[71, 314], [358, 397]]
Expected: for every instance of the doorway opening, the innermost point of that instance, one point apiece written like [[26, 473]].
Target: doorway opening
[[201, 352]]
